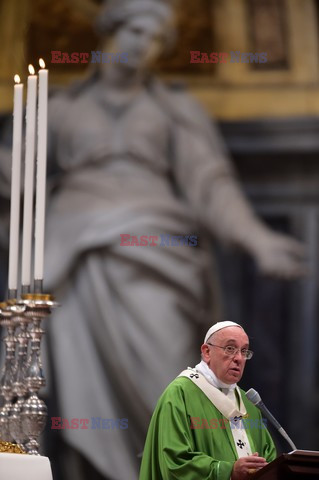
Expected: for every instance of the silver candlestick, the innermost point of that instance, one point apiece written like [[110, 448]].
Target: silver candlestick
[[34, 410], [18, 385], [8, 370]]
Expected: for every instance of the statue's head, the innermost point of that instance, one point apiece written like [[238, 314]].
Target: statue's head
[[141, 28]]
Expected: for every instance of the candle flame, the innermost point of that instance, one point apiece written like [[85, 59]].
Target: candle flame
[[41, 63], [17, 79], [31, 69]]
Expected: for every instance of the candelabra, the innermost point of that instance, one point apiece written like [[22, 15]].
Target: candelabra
[[24, 414]]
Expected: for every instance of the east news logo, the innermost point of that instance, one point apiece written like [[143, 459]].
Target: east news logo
[[223, 57]]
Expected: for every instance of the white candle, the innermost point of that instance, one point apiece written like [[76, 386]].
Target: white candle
[[29, 178], [15, 185], [41, 173]]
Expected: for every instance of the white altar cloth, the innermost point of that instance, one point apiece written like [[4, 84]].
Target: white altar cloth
[[14, 466]]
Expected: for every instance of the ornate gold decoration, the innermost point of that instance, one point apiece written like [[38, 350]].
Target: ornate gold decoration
[[195, 32], [7, 447], [66, 25], [285, 29], [269, 32], [59, 26], [42, 297]]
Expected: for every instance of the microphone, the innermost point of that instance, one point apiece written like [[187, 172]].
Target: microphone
[[255, 398]]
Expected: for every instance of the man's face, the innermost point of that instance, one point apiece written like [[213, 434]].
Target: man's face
[[229, 369]]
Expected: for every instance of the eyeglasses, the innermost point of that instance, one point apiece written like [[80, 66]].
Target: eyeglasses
[[232, 351]]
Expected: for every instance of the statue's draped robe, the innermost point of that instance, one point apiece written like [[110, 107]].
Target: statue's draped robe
[[130, 316], [190, 439]]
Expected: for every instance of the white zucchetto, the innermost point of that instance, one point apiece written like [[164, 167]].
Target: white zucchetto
[[219, 326]]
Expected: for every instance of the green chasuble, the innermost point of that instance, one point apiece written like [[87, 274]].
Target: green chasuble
[[189, 439]]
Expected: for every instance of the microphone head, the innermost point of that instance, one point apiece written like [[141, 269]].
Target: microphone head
[[253, 396]]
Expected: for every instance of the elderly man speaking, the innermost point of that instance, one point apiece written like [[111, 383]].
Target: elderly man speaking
[[204, 427]]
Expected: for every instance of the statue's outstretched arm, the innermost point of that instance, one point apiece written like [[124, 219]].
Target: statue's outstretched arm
[[207, 178]]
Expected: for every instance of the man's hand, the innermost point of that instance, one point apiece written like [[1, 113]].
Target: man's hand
[[246, 466]]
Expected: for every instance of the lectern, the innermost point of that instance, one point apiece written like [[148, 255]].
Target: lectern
[[298, 464]]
